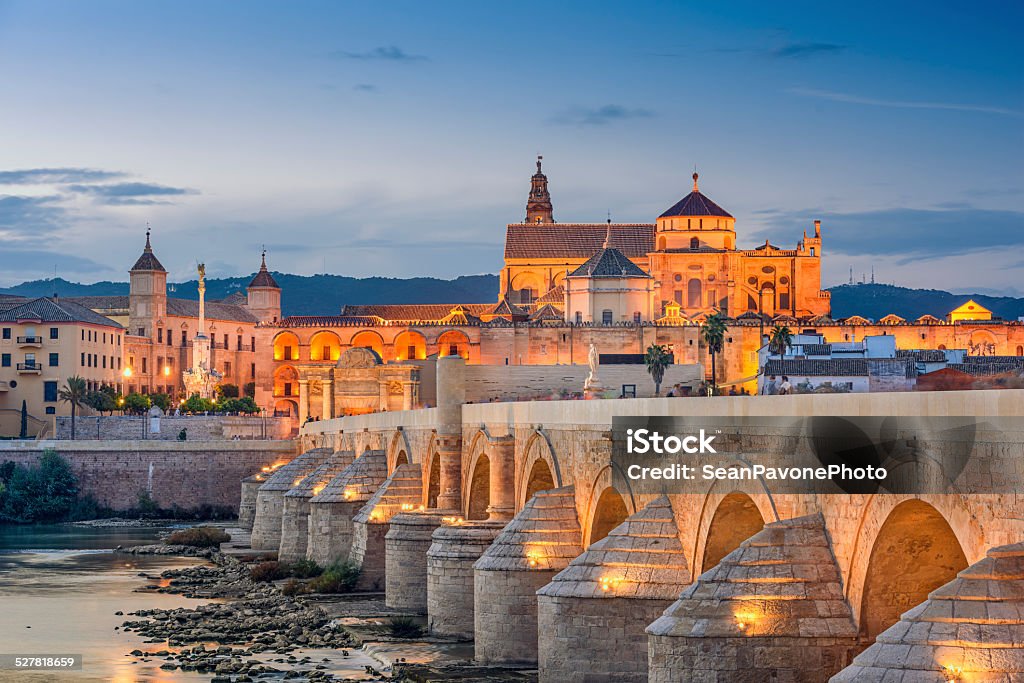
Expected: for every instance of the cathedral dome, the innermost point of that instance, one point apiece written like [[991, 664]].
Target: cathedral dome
[[695, 204]]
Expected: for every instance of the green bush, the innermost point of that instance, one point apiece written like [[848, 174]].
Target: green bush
[[227, 391], [199, 537], [293, 587], [404, 627], [161, 401], [41, 493], [338, 578], [197, 404], [269, 571], [136, 403], [305, 569]]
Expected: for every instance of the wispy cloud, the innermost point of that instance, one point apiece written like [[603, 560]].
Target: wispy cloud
[[388, 54], [27, 218], [901, 104], [599, 116], [127, 194], [49, 176], [805, 50], [364, 87]]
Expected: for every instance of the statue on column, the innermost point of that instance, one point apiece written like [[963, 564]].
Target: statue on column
[[592, 387], [201, 378]]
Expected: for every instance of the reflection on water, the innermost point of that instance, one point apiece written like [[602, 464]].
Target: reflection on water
[[60, 587]]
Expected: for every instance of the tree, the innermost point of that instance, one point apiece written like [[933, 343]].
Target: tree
[[161, 401], [781, 339], [136, 403], [23, 432], [227, 391], [197, 404], [73, 393], [657, 359], [713, 332], [101, 401], [249, 389]]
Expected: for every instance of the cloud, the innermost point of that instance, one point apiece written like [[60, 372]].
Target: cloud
[[35, 263], [599, 116], [364, 87], [384, 54], [49, 176], [805, 50], [907, 234], [901, 104], [24, 218], [130, 194]]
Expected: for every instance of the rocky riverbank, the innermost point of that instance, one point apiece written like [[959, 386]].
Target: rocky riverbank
[[253, 633]]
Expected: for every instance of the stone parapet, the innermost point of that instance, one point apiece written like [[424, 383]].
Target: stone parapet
[[453, 550], [971, 629], [331, 511], [594, 613], [405, 559], [539, 542], [371, 524], [773, 609], [295, 512], [266, 527]]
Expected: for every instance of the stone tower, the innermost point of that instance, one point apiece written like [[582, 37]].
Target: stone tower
[[538, 206], [147, 293], [263, 296]]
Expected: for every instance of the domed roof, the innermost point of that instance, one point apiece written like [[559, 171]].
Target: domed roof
[[263, 278], [695, 204], [148, 260]]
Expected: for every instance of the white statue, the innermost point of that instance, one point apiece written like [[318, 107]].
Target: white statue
[[593, 360]]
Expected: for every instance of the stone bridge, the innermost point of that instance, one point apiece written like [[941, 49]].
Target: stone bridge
[[501, 522]]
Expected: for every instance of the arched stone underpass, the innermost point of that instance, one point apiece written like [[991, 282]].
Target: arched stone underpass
[[609, 512], [479, 489], [539, 479], [914, 553], [434, 481], [736, 519]]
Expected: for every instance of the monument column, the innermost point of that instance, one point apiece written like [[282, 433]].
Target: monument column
[[327, 410], [303, 400], [407, 403], [501, 452], [383, 397], [451, 394]]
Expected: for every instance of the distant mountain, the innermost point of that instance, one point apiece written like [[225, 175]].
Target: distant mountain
[[876, 301], [301, 294], [326, 294]]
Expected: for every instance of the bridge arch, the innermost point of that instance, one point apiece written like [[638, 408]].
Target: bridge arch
[[478, 487], [914, 551], [608, 510], [433, 488], [539, 471], [399, 452], [736, 517]]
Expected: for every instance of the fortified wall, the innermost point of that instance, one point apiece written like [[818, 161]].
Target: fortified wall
[[712, 581], [187, 475]]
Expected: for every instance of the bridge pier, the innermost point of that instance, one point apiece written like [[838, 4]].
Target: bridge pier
[[405, 559], [593, 615], [331, 511], [970, 629], [538, 543], [372, 522], [453, 550], [773, 609], [295, 512], [247, 507], [266, 527]]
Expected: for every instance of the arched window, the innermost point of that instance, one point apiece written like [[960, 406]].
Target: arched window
[[661, 244], [1020, 350], [812, 251], [694, 243], [693, 292]]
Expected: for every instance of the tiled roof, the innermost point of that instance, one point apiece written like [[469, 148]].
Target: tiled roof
[[263, 278], [995, 360], [555, 295], [818, 349], [609, 262], [922, 355], [985, 369], [148, 260], [546, 312], [695, 204], [506, 307], [106, 303], [411, 312], [215, 310], [576, 240], [838, 367], [55, 311]]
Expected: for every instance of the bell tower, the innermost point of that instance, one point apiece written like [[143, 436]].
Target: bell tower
[[147, 293], [538, 206], [263, 296]]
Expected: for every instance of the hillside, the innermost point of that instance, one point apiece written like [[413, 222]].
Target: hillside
[[326, 294]]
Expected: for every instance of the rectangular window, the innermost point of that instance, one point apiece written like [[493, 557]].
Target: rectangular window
[[227, 368], [184, 338], [144, 365], [636, 316], [104, 362], [5, 360], [288, 353], [579, 317], [118, 363], [142, 331], [118, 340], [83, 335], [49, 391], [30, 360], [606, 317], [54, 332], [410, 353], [105, 338], [325, 352], [159, 363], [7, 333], [170, 338], [51, 410], [83, 360], [453, 349], [239, 342], [225, 341], [54, 360], [287, 388], [252, 343], [252, 371], [160, 335]]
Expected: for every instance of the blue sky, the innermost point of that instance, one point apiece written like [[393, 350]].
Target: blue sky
[[398, 138]]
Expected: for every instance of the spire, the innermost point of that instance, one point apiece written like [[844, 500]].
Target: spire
[[695, 182], [608, 234], [263, 278], [538, 206], [148, 260], [148, 248]]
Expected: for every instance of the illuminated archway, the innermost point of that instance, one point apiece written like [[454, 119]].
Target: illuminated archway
[[526, 287], [453, 343], [368, 339], [410, 345], [914, 553], [286, 346], [286, 381], [286, 408], [434, 481], [479, 496], [539, 479], [325, 346], [609, 512], [736, 519]]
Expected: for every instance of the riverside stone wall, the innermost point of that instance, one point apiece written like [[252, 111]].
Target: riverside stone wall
[[198, 428], [187, 475]]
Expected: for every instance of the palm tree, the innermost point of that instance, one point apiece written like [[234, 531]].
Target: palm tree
[[781, 339], [657, 359], [73, 392], [713, 332]]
